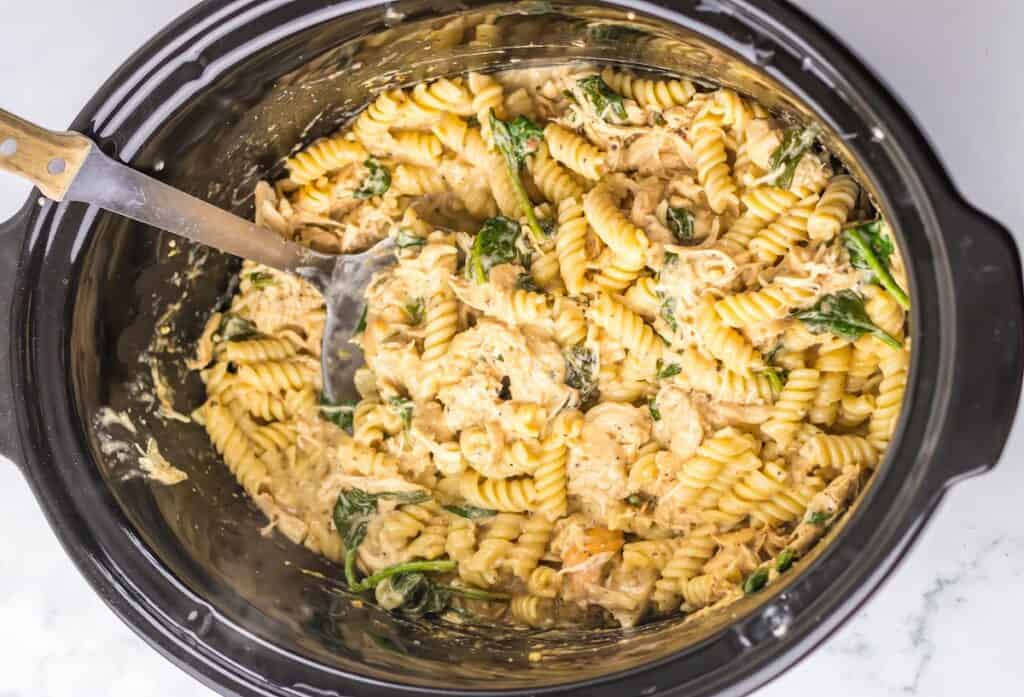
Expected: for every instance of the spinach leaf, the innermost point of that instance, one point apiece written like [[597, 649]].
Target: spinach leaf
[[377, 181], [637, 500], [819, 518], [773, 354], [235, 328], [373, 580], [495, 244], [669, 259], [668, 313], [581, 372], [655, 411], [870, 250], [260, 279], [776, 377], [414, 594], [784, 560], [352, 513], [361, 327], [471, 512], [756, 581], [795, 142], [605, 101], [415, 312], [680, 222], [668, 370], [339, 414], [843, 314], [403, 406], [515, 140], [404, 239]]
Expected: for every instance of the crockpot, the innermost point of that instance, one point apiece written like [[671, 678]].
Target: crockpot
[[213, 104]]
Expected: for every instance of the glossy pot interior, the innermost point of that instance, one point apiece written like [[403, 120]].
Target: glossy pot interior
[[215, 106]]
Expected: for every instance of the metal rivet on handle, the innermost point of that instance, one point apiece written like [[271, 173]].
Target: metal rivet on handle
[[56, 165], [8, 147]]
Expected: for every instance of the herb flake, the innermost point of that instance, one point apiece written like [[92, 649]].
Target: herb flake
[[377, 181], [581, 372]]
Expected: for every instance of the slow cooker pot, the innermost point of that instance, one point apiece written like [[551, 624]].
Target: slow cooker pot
[[213, 104]]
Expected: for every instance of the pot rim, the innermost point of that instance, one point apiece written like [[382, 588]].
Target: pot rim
[[910, 502]]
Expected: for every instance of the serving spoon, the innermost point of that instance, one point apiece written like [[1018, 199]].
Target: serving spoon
[[68, 166]]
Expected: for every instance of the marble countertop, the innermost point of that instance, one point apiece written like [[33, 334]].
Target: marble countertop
[[945, 624]]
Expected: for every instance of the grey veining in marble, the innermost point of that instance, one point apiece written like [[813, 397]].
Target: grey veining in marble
[[945, 625]]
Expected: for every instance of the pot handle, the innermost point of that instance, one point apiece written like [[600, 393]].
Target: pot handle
[[12, 237], [989, 342]]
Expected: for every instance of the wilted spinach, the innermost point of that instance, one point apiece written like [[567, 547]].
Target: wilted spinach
[[515, 140], [668, 313], [415, 311], [776, 377], [235, 328], [756, 581], [495, 244], [361, 327], [413, 593], [680, 222], [405, 239], [402, 406], [352, 513], [377, 181], [784, 560], [260, 279], [668, 370], [652, 406], [471, 512], [870, 250], [604, 100], [795, 142], [525, 282], [843, 314], [819, 518], [338, 414]]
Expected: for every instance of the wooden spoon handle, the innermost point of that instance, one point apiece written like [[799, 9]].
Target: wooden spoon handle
[[48, 159]]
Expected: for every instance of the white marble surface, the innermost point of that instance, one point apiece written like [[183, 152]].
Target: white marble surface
[[945, 625]]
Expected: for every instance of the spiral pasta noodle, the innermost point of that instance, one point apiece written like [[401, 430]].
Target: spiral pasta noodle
[[575, 152], [792, 406], [626, 240], [832, 208], [723, 342], [650, 94], [322, 157]]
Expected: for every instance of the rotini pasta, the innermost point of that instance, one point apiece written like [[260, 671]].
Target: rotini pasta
[[635, 401]]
